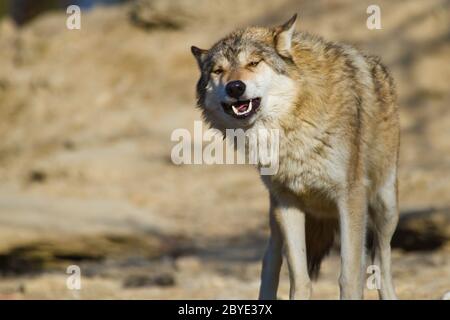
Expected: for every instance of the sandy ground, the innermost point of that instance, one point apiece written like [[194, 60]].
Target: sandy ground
[[85, 171]]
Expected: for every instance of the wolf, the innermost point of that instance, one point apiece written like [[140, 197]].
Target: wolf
[[336, 110]]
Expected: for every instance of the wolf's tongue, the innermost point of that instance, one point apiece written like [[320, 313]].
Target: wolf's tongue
[[242, 107]]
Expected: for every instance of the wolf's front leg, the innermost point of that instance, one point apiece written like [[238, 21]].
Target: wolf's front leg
[[291, 221], [352, 216], [270, 274]]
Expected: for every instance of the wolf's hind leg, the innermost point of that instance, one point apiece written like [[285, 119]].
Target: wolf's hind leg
[[270, 273], [384, 214]]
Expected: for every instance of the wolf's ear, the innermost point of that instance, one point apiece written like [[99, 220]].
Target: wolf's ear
[[283, 36], [199, 55]]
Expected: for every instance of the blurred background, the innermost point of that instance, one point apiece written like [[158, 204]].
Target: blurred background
[[85, 171]]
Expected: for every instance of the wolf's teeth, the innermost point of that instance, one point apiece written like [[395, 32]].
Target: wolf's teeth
[[237, 112]]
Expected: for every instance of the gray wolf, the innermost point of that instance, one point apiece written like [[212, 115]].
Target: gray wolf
[[337, 113]]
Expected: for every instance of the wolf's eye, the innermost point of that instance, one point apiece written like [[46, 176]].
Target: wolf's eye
[[253, 63], [218, 71]]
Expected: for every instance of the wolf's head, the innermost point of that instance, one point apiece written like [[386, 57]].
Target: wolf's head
[[246, 77]]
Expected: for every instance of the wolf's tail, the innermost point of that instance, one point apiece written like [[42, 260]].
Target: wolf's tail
[[320, 235]]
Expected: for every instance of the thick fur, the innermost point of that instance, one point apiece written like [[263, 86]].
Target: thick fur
[[337, 114]]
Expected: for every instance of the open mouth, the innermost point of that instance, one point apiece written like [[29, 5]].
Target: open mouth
[[242, 109]]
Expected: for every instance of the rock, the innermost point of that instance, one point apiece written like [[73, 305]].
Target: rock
[[190, 263], [423, 230], [7, 27], [162, 14], [164, 279], [53, 254], [37, 176]]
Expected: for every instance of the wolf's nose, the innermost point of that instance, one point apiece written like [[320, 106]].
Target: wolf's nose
[[235, 89]]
